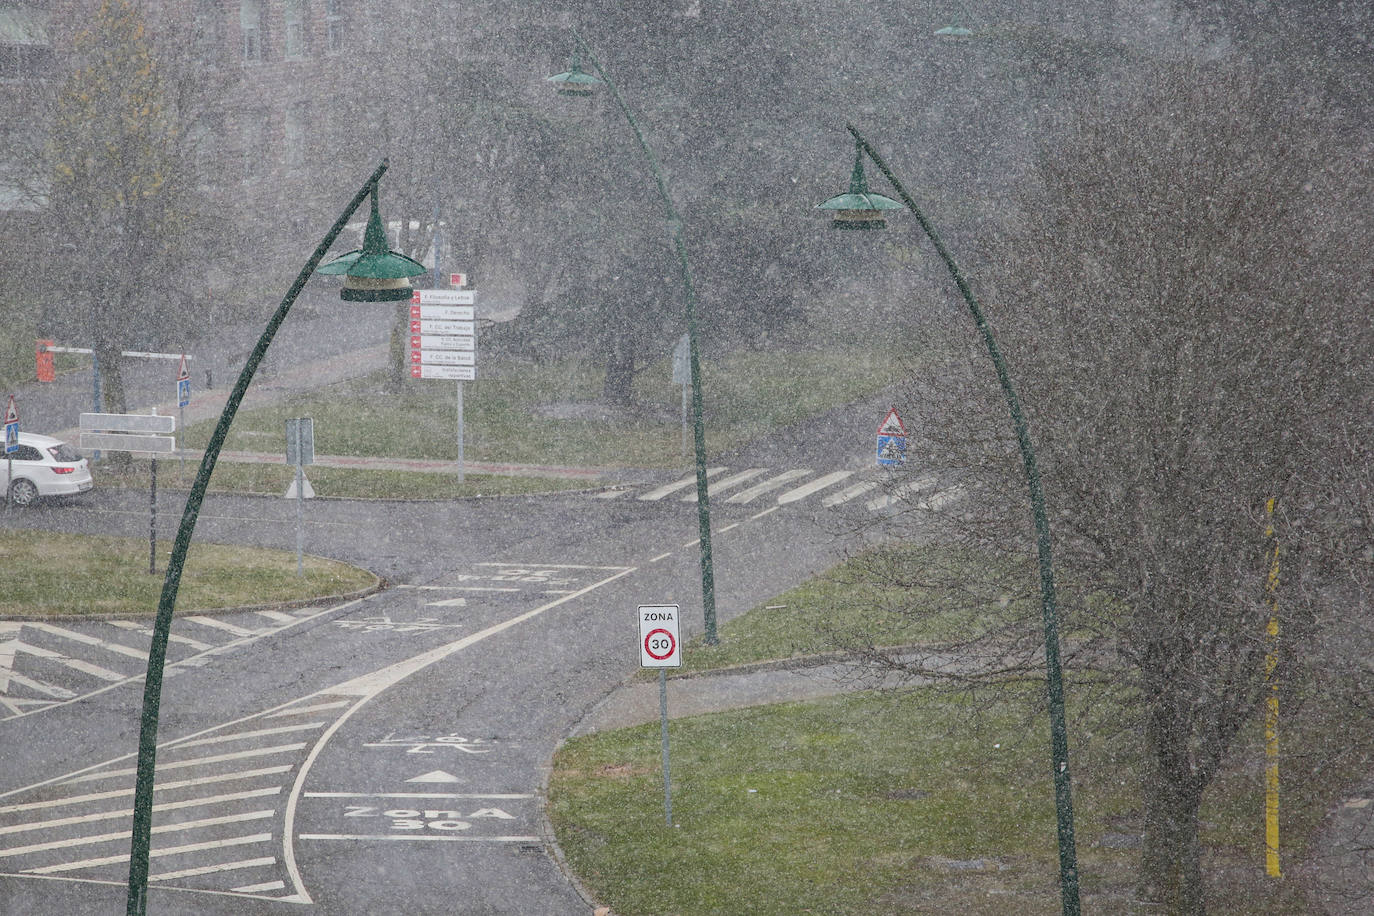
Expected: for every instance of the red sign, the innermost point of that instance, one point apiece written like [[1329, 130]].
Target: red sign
[[182, 372], [892, 424], [44, 369], [11, 412], [660, 644]]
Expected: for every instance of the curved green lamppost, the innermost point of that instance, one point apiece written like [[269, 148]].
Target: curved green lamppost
[[575, 82], [863, 209], [373, 274]]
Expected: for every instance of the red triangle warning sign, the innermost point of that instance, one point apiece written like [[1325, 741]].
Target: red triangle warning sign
[[182, 372], [11, 412], [892, 424]]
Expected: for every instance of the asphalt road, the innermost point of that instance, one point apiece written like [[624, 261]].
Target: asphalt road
[[384, 755]]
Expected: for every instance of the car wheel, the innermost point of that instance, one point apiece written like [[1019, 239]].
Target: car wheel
[[23, 492]]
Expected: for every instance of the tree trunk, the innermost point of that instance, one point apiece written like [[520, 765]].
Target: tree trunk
[[398, 353], [113, 398], [620, 373], [1171, 865]]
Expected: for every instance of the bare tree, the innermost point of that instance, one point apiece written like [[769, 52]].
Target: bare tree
[[1183, 295]]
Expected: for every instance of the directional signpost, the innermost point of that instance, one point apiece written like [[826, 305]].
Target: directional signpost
[[891, 441], [137, 433], [11, 446], [443, 342], [183, 398], [300, 451], [660, 646]]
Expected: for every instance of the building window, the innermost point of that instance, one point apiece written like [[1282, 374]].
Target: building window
[[294, 36], [250, 20], [206, 30], [253, 131], [297, 126], [24, 62], [334, 24]]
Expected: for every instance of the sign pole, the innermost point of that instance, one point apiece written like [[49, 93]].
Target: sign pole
[[300, 521], [152, 518], [663, 718], [11, 446], [460, 431]]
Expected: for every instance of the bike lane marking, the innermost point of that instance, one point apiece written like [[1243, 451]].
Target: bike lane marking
[[369, 686]]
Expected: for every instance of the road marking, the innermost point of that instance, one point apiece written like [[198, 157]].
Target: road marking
[[815, 486], [7, 651], [848, 493], [90, 641], [277, 616], [162, 786], [899, 494], [139, 628], [221, 625], [155, 853], [123, 834], [259, 888], [722, 485], [769, 511], [198, 761], [421, 838], [128, 812], [728, 527], [768, 485], [370, 685], [57, 693], [236, 736], [677, 485], [222, 867], [436, 796], [302, 710], [448, 602], [662, 556]]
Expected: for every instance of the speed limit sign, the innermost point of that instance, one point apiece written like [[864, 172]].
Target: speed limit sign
[[659, 645]]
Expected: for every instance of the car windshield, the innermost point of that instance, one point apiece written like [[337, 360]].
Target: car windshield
[[64, 452]]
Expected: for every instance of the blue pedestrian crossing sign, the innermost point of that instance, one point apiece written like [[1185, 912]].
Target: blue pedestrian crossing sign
[[183, 384], [11, 427], [891, 440]]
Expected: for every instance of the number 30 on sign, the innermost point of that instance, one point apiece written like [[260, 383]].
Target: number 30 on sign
[[659, 644]]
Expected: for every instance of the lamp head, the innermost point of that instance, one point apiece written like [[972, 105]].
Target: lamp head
[[859, 208], [573, 81], [374, 273]]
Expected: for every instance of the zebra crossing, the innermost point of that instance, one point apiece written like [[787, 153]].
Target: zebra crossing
[[218, 804], [876, 490], [47, 663]]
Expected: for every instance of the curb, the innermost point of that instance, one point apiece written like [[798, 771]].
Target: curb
[[378, 585]]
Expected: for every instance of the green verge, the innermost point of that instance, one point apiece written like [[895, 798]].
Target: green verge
[[327, 482], [505, 416], [77, 575], [914, 801]]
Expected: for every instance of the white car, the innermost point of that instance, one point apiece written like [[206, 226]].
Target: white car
[[44, 466]]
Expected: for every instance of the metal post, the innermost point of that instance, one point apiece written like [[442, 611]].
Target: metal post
[[9, 481], [152, 517], [300, 520], [684, 421], [1059, 734], [140, 840], [663, 717], [460, 431], [708, 578], [95, 393], [1271, 707]]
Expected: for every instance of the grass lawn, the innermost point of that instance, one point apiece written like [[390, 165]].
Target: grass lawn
[[912, 801], [746, 396], [76, 575], [342, 483]]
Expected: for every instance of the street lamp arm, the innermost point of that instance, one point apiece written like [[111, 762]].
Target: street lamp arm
[[140, 845], [708, 586], [1059, 741]]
